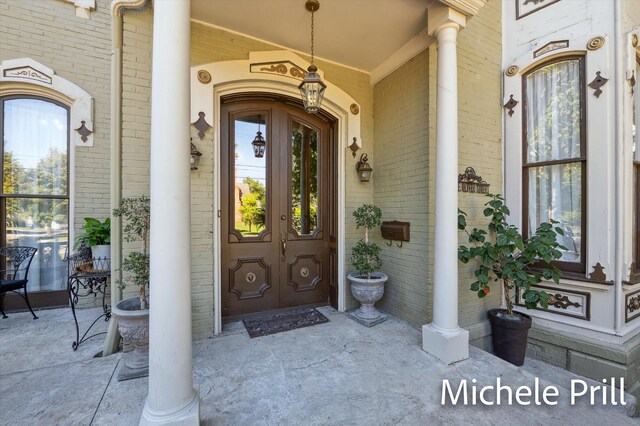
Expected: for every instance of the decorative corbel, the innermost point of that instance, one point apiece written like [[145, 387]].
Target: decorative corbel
[[510, 105], [84, 131], [597, 83], [354, 147], [201, 125]]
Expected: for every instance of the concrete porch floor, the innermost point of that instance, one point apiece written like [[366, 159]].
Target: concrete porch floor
[[338, 373]]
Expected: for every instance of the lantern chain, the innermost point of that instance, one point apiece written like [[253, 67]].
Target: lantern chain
[[312, 28]]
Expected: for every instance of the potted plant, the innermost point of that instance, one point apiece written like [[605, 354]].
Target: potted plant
[[367, 283], [505, 257], [97, 236], [133, 313]]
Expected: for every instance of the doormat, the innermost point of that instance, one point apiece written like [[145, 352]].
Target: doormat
[[283, 321]]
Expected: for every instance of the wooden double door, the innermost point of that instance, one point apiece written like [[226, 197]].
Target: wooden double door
[[278, 209]]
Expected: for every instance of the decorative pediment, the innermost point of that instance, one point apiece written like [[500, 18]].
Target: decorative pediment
[[283, 68], [28, 73], [25, 76]]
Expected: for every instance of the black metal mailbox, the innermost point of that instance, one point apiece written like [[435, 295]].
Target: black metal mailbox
[[395, 230]]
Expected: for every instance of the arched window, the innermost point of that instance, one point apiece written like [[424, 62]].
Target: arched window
[[554, 154], [34, 197]]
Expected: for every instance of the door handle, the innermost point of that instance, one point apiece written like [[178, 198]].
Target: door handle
[[283, 246]]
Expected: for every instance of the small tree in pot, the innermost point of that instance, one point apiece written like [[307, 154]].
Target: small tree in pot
[[133, 313], [505, 257], [367, 283]]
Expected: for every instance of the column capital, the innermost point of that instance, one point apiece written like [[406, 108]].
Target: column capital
[[440, 16]]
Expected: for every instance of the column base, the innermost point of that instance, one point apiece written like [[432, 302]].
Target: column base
[[186, 416], [447, 346]]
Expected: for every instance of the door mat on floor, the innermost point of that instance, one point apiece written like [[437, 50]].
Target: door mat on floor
[[283, 321]]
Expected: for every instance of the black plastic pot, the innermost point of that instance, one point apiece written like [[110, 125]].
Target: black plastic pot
[[509, 335]]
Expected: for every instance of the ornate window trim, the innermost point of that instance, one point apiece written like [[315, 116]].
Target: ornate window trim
[[25, 76]]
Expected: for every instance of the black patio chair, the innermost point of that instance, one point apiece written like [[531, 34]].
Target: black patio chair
[[15, 279]]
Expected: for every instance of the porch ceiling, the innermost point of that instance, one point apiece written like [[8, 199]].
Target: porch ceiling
[[361, 34]]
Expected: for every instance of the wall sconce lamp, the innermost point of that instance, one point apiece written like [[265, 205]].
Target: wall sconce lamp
[[195, 157], [363, 168]]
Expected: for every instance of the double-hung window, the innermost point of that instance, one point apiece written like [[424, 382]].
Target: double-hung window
[[554, 155]]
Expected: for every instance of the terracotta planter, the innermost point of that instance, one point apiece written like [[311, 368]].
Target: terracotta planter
[[368, 291], [133, 325], [509, 335]]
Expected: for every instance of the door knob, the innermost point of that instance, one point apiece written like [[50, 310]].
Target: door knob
[[283, 217]]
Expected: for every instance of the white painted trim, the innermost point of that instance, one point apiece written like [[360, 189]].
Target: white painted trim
[[33, 74], [83, 7], [231, 77], [401, 56]]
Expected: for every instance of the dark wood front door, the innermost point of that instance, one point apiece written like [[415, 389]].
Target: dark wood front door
[[276, 206]]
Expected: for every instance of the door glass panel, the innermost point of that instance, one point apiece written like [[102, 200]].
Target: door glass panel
[[250, 174], [555, 193], [304, 178], [35, 147], [43, 224]]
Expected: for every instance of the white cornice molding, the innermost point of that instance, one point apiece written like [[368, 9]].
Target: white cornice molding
[[469, 8], [401, 56]]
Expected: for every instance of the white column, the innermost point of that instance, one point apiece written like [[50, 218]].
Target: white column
[[172, 398], [443, 338]]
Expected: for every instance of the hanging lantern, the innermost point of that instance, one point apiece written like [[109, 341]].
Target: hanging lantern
[[312, 88], [258, 144]]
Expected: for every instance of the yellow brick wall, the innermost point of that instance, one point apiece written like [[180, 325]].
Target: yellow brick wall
[[401, 187]]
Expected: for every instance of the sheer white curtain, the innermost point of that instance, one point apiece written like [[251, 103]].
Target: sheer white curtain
[[35, 144], [554, 152]]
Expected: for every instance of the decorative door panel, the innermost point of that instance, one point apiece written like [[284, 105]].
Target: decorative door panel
[[275, 207]]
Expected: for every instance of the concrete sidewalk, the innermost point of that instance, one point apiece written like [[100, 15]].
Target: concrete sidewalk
[[338, 373]]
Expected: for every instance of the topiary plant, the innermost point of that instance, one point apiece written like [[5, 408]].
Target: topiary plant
[[136, 213], [365, 256], [509, 259]]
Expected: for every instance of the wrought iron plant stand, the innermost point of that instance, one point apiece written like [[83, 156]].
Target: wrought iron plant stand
[[88, 277]]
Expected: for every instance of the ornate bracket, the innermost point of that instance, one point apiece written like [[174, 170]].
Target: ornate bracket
[[597, 83], [201, 125], [469, 181], [510, 105], [354, 147], [83, 131], [598, 273]]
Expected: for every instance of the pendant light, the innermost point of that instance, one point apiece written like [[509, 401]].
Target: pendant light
[[258, 144], [312, 88]]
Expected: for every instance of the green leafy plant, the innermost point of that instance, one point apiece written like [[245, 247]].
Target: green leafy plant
[[95, 233], [136, 213], [504, 256], [365, 255]]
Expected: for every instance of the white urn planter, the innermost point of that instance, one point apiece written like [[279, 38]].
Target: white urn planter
[[133, 325], [368, 291]]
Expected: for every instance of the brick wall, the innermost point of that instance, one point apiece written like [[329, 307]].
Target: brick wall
[[401, 187]]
